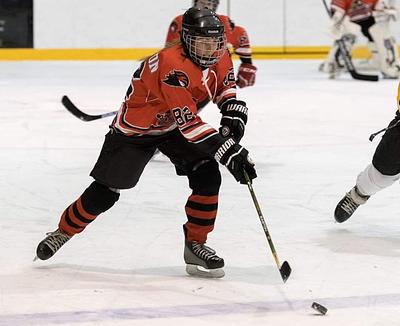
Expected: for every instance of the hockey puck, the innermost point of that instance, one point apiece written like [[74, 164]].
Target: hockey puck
[[320, 308]]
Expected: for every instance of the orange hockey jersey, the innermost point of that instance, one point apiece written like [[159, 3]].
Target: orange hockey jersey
[[236, 35], [164, 92], [356, 9]]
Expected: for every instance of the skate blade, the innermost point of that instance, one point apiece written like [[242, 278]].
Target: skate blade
[[195, 270]]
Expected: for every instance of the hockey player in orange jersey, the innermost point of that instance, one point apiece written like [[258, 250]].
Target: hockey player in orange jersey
[[373, 18], [236, 36], [159, 112]]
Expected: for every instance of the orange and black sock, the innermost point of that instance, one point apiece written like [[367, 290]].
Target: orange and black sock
[[96, 199]]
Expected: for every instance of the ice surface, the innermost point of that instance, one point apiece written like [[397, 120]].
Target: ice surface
[[309, 138]]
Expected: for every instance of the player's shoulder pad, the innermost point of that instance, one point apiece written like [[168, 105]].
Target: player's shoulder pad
[[224, 19], [240, 29], [176, 24], [226, 59], [178, 20], [231, 23]]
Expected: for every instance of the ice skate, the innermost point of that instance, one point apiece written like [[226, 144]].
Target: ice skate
[[51, 244], [321, 66], [333, 69], [202, 261], [391, 73], [348, 205]]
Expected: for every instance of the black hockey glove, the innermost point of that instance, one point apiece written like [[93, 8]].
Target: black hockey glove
[[234, 119], [236, 159]]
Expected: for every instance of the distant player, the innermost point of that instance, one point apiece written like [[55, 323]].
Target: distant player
[[373, 18], [159, 112], [236, 36], [383, 172]]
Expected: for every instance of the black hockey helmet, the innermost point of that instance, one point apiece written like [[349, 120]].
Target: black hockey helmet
[[203, 36], [210, 4]]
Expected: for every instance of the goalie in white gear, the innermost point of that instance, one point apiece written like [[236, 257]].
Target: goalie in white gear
[[372, 18]]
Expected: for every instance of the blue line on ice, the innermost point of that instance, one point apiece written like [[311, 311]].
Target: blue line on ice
[[195, 310]]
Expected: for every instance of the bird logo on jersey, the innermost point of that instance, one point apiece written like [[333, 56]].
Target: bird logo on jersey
[[230, 77], [177, 78], [164, 119]]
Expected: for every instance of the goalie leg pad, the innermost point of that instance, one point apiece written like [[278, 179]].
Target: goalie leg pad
[[334, 63], [374, 59], [330, 65], [387, 50]]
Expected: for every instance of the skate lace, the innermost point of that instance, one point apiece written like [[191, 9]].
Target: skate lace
[[348, 205], [204, 252], [56, 239]]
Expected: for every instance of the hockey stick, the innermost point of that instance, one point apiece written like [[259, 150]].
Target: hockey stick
[[371, 137], [285, 268], [82, 115], [347, 57], [350, 66]]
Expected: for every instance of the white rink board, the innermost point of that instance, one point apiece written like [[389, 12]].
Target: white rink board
[[144, 24]]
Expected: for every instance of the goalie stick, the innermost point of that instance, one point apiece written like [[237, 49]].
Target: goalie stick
[[350, 66], [82, 115], [347, 57], [285, 268]]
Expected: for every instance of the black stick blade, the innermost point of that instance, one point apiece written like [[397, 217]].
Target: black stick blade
[[71, 107], [359, 76], [75, 111], [285, 271]]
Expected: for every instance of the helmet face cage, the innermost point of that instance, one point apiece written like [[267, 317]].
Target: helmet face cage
[[204, 51], [210, 4]]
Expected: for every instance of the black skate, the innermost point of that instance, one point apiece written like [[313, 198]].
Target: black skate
[[348, 205], [50, 245], [202, 261]]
